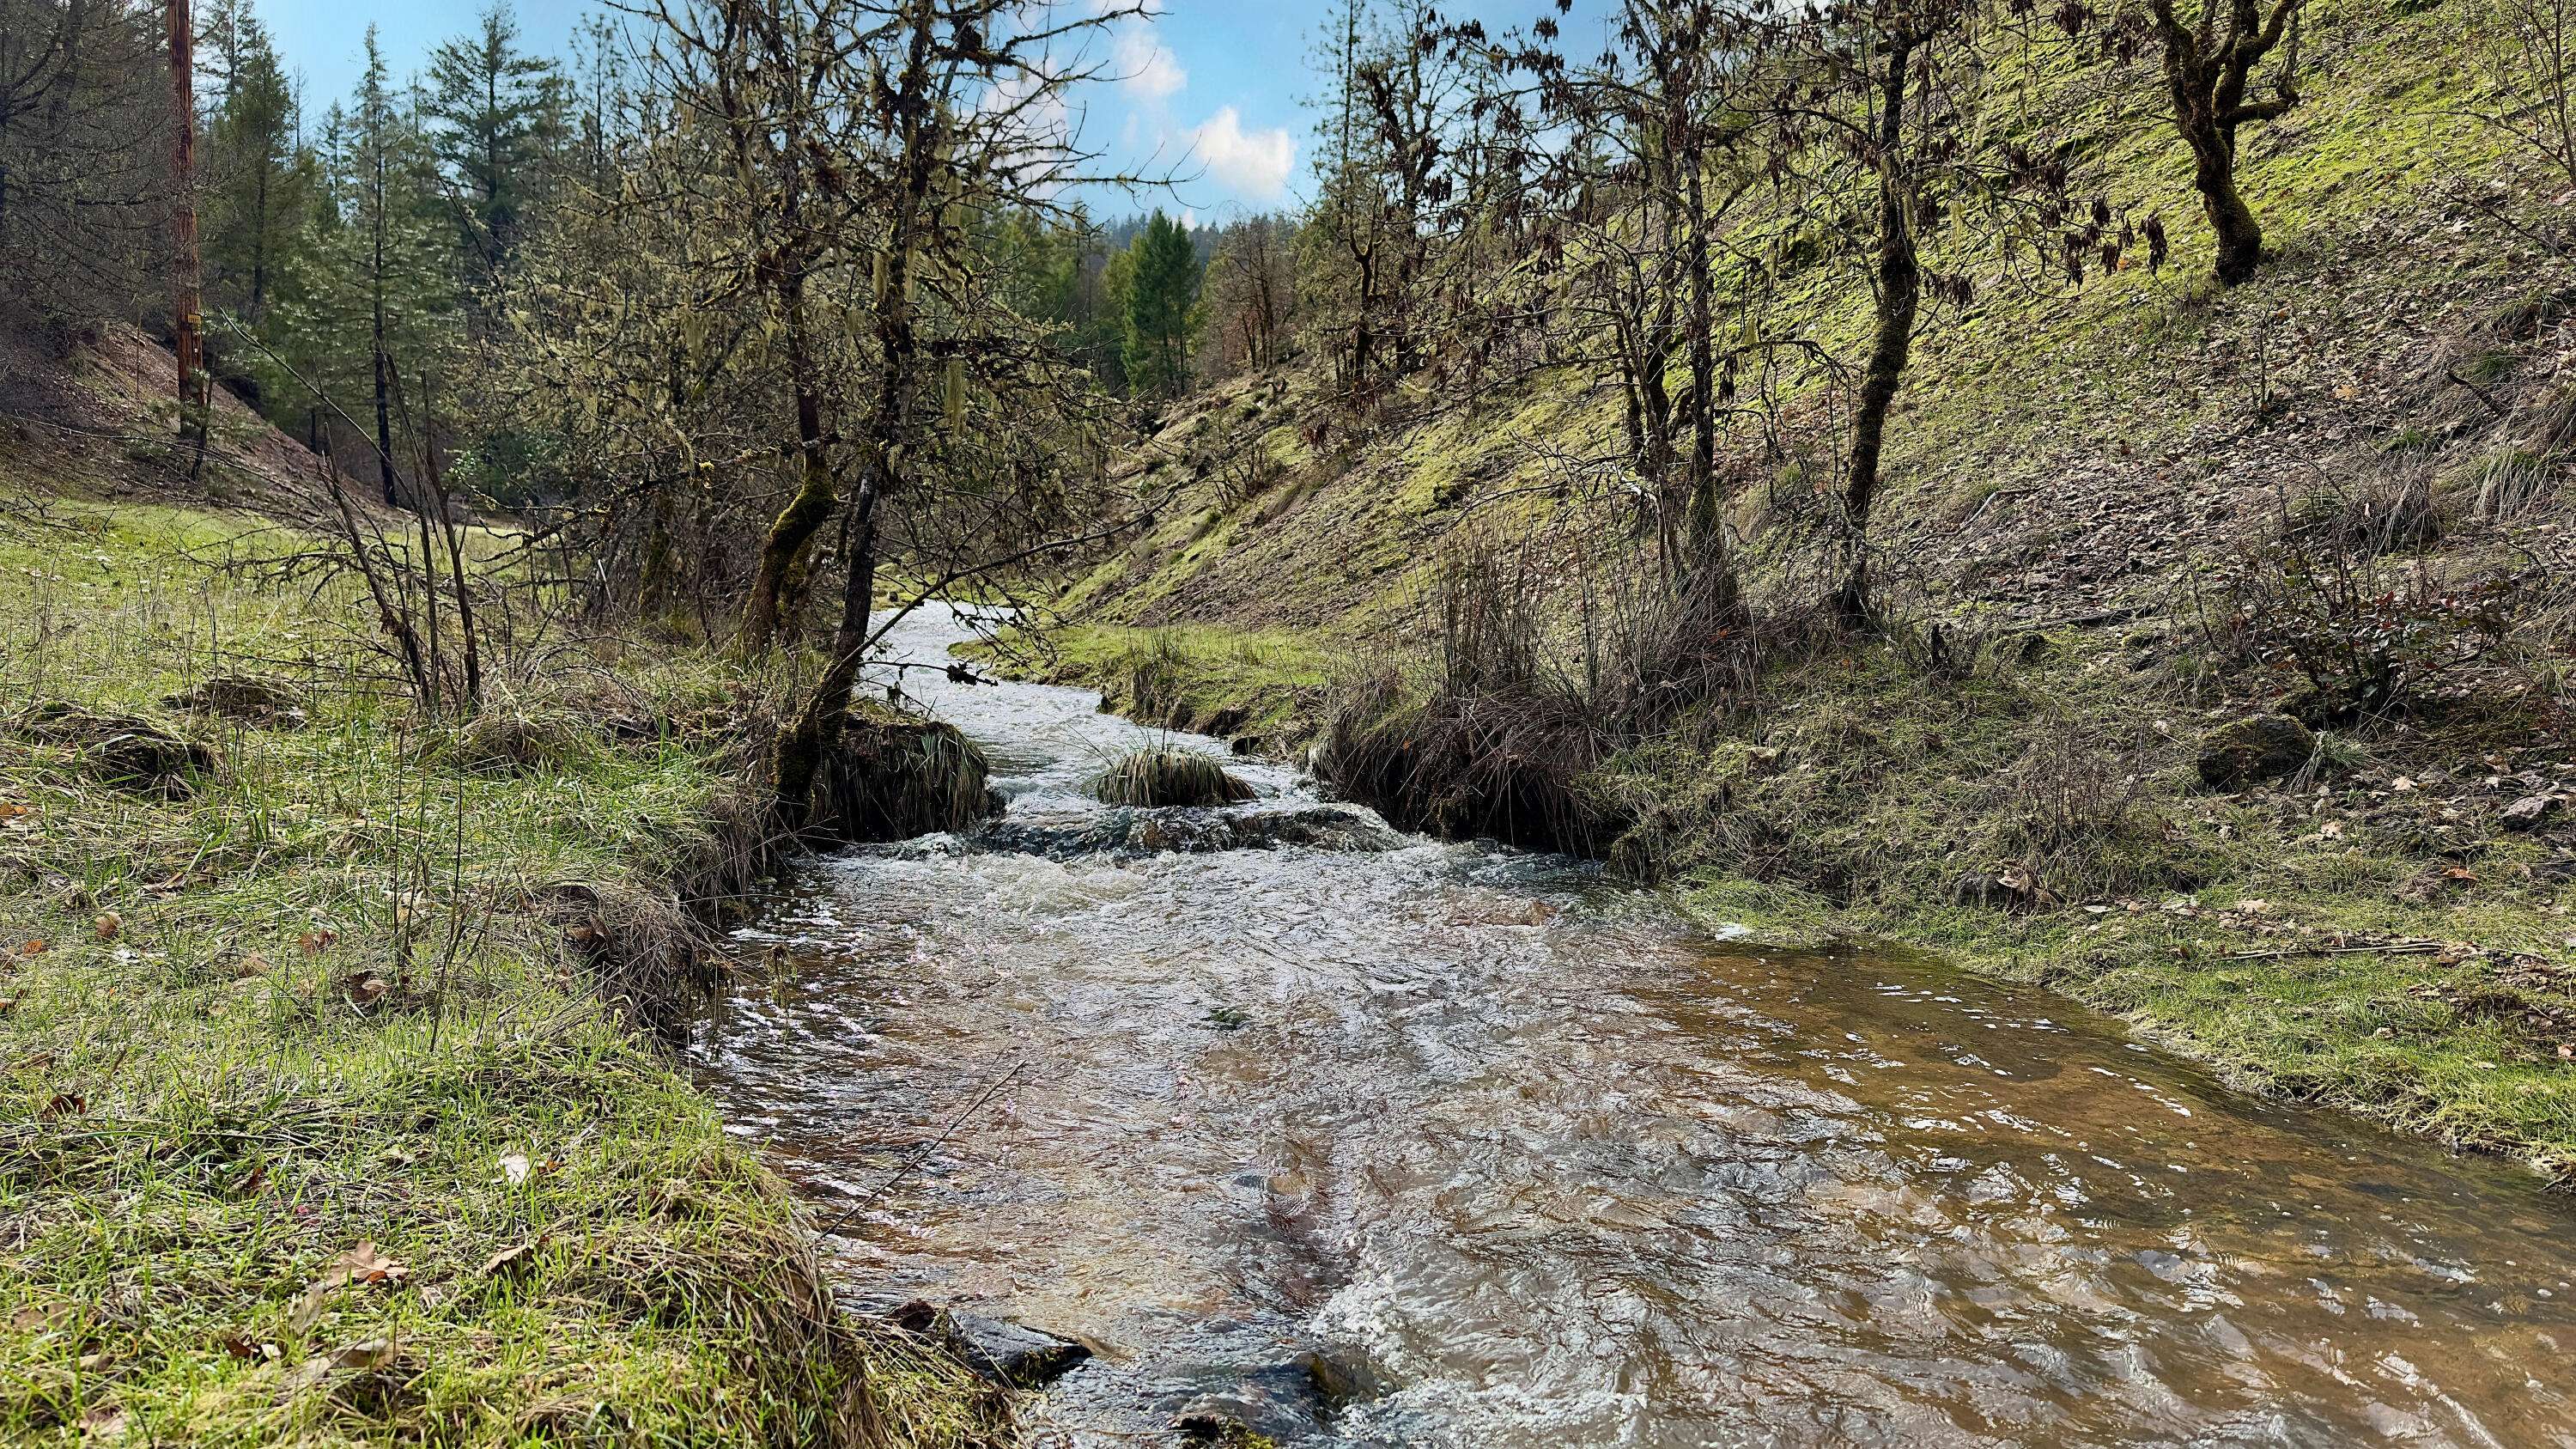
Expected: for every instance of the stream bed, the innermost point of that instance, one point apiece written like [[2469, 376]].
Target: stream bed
[[1365, 1139]]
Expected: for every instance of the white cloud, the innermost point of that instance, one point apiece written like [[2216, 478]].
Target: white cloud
[[1145, 67], [1255, 163]]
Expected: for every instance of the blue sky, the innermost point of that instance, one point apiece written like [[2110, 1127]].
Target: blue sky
[[1213, 88]]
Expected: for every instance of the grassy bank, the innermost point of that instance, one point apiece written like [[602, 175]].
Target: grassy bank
[[2367, 932], [1266, 688], [326, 1115]]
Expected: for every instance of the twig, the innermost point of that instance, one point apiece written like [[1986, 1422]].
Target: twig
[[922, 1154], [2391, 948], [2482, 395]]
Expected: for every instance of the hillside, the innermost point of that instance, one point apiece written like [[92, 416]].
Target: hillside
[[2058, 451], [2105, 506], [332, 1106], [96, 419]]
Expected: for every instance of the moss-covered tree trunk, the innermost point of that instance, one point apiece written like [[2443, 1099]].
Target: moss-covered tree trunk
[[1899, 286], [2208, 72], [817, 727], [2238, 236], [817, 494]]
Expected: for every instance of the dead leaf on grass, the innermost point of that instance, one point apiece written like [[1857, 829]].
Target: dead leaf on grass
[[374, 1353], [243, 1346], [510, 1260], [109, 925], [360, 1265], [366, 1263]]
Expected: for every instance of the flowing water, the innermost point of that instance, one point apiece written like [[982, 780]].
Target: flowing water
[[1452, 1145]]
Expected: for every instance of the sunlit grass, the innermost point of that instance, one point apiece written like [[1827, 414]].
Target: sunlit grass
[[327, 1006]]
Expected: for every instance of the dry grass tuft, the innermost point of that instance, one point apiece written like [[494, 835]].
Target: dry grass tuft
[[1156, 778]]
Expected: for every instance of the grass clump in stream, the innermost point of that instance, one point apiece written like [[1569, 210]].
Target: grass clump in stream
[[1156, 777], [325, 1116]]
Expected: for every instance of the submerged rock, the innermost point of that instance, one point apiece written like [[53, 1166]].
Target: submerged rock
[[996, 1348], [1012, 1352], [2258, 747], [1193, 832], [1276, 1403]]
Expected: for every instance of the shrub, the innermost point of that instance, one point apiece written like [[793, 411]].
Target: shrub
[[2370, 639]]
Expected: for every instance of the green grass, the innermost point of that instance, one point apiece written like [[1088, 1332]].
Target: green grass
[[328, 1010]]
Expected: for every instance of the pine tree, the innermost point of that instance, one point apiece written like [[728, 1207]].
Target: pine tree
[[258, 181], [1164, 285], [489, 105], [374, 294]]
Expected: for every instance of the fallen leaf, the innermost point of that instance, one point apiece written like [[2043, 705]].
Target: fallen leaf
[[11, 810], [249, 966], [106, 1421], [8, 1004], [65, 1104], [315, 942], [365, 1263], [514, 1167], [33, 948], [109, 925], [375, 1353], [511, 1259], [364, 988], [361, 1264]]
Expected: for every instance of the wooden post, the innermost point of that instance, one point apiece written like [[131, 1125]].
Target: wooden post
[[187, 335]]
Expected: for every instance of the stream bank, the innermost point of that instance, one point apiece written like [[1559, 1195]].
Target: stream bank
[[324, 1111]]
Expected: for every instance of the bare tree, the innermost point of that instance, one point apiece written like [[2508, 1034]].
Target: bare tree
[[2210, 62]]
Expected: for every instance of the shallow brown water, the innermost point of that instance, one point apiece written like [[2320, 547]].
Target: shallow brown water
[[1516, 1159]]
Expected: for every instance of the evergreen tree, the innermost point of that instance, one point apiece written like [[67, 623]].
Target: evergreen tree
[[375, 292], [259, 182], [1163, 283], [492, 109]]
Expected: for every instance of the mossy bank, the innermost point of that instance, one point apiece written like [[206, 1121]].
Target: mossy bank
[[328, 1117]]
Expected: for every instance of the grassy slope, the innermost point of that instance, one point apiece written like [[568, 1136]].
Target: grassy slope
[[2060, 453], [273, 1062]]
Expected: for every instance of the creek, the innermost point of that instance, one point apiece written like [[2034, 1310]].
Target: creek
[[1368, 1139]]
